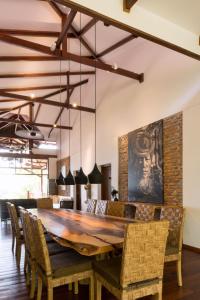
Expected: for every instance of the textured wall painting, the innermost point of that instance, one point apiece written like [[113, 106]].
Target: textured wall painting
[[145, 164]]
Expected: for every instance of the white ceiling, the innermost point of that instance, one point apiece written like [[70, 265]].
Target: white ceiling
[[38, 15], [185, 13]]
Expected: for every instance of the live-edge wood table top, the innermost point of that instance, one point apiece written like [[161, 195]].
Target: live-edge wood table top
[[87, 233]]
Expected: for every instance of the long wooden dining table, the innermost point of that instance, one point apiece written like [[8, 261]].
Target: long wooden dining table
[[87, 233]]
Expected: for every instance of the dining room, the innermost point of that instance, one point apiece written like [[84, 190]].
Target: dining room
[[99, 152]]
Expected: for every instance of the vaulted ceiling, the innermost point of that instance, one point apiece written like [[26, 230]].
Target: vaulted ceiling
[[32, 71]]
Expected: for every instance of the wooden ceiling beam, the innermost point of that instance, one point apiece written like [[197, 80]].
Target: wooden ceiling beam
[[65, 27], [30, 156], [125, 27], [84, 43], [47, 102], [49, 74], [38, 33], [60, 88], [76, 58], [88, 26], [7, 100], [116, 45], [128, 4], [10, 58], [61, 111], [55, 7], [4, 120], [103, 66]]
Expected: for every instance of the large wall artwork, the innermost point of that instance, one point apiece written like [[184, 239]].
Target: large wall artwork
[[145, 164]]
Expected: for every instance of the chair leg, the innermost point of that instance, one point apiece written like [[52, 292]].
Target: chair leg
[[25, 263], [91, 288], [70, 286], [18, 254], [179, 272], [39, 291], [98, 290], [33, 282], [50, 293], [76, 287], [13, 243], [28, 275]]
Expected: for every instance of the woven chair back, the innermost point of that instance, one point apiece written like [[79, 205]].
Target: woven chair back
[[143, 252], [91, 206], [101, 207], [144, 212], [41, 249], [115, 209], [28, 234], [45, 203], [10, 215], [175, 216], [15, 221]]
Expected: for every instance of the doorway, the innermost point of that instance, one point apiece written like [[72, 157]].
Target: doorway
[[106, 182]]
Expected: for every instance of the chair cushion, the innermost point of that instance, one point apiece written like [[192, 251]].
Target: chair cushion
[[171, 250], [110, 270], [69, 263], [54, 248]]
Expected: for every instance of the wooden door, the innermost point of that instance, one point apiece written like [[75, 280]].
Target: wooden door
[[106, 182]]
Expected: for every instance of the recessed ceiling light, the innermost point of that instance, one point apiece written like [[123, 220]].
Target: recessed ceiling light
[[32, 96], [53, 47], [115, 66], [54, 125], [74, 104]]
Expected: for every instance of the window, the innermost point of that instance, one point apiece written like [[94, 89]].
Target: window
[[23, 178]]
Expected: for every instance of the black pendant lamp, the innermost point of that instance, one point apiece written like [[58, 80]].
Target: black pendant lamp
[[69, 179], [95, 177], [81, 178], [60, 179]]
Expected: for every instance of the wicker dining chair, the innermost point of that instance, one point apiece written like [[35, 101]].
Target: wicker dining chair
[[17, 232], [45, 203], [53, 249], [12, 226], [115, 209], [175, 216], [144, 212], [58, 269], [91, 206], [101, 207], [139, 272]]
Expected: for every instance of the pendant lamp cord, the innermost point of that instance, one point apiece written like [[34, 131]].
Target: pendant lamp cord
[[95, 96], [60, 112], [80, 96], [69, 69]]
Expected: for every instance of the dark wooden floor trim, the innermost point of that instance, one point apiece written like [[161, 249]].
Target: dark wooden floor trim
[[128, 28], [191, 248]]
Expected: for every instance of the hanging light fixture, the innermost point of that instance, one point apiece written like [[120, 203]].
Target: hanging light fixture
[[81, 178], [60, 179], [95, 177], [69, 179]]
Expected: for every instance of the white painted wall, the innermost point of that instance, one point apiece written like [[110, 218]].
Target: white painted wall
[[191, 174]]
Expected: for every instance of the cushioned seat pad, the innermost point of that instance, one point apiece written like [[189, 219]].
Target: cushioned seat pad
[[69, 263], [55, 248], [110, 270]]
